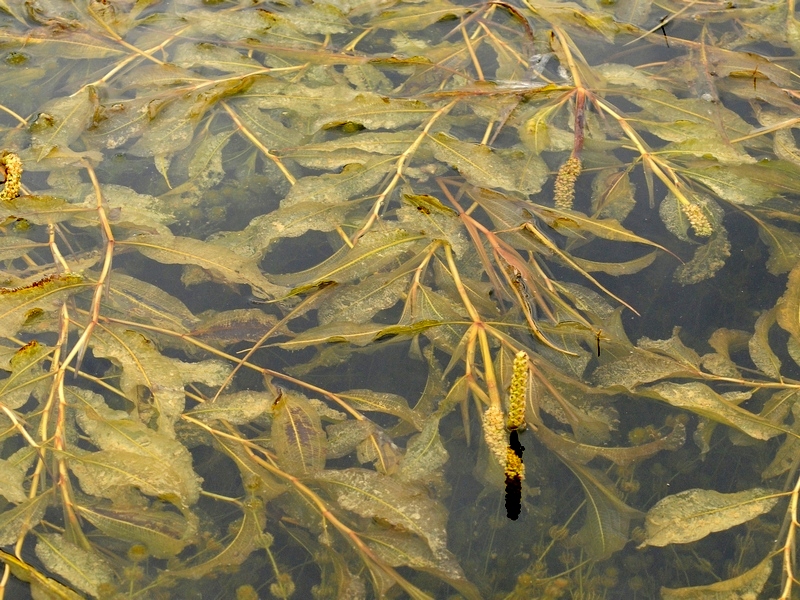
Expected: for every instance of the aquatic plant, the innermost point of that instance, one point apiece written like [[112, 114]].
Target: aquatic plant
[[283, 282]]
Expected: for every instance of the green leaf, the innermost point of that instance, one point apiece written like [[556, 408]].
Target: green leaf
[[19, 519], [483, 167], [115, 430], [245, 538], [411, 18], [238, 409], [297, 435], [372, 111], [62, 121], [788, 306], [83, 569], [606, 527], [108, 474], [784, 247], [621, 268], [27, 376], [373, 251], [220, 262], [164, 533], [18, 304], [373, 495], [693, 514], [702, 400], [143, 366], [749, 584], [760, 351], [136, 300], [425, 454], [385, 402]]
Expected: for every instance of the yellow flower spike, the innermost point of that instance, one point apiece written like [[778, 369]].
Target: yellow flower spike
[[515, 468], [564, 191], [516, 394], [13, 167], [698, 219], [494, 433]]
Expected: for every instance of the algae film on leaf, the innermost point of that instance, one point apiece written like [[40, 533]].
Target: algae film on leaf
[[297, 297]]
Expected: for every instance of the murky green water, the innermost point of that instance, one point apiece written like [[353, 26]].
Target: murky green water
[[268, 267]]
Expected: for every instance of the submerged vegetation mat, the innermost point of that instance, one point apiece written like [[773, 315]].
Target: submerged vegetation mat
[[380, 298]]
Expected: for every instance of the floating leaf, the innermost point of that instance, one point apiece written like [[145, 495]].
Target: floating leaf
[[693, 514]]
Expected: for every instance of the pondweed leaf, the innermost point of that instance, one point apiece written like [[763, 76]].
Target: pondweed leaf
[[334, 188], [759, 346], [26, 376], [385, 402], [62, 121], [373, 495], [43, 294], [788, 306], [115, 430], [245, 537], [164, 533], [425, 454], [374, 251], [239, 408], [693, 514], [112, 473], [406, 18], [384, 175], [784, 247], [749, 584], [22, 517], [143, 366], [218, 261], [702, 400], [83, 569], [134, 299], [484, 167], [297, 435], [605, 529]]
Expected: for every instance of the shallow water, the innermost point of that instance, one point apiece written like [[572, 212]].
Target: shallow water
[[292, 251]]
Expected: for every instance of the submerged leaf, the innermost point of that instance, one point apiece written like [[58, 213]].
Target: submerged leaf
[[700, 399], [83, 569], [748, 585], [373, 495], [220, 262], [164, 533], [691, 515], [297, 434], [483, 167]]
